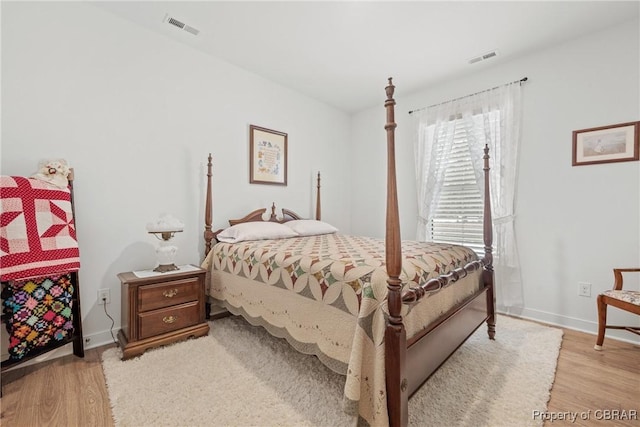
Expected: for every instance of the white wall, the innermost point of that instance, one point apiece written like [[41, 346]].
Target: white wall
[[136, 115], [573, 223]]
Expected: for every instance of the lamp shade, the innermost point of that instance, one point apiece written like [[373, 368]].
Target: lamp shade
[[165, 223]]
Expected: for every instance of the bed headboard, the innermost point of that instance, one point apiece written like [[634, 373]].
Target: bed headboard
[[257, 215]]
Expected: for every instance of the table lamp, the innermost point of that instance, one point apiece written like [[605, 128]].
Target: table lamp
[[164, 228]]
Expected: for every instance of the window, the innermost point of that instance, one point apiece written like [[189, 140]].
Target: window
[[449, 143], [458, 216]]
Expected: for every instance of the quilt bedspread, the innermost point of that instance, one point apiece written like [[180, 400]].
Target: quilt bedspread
[[37, 229], [326, 295]]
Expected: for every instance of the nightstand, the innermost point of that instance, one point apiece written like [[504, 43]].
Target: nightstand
[[161, 308]]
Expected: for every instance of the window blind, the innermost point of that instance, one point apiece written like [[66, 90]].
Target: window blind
[[459, 213]]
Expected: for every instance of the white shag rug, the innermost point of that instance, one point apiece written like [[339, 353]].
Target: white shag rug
[[240, 375]]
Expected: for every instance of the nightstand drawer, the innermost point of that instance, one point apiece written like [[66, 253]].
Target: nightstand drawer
[[170, 319], [167, 294]]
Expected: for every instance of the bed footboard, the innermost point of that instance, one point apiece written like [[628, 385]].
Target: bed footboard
[[427, 354]]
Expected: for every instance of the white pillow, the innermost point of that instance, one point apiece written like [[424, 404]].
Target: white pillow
[[310, 227], [255, 230]]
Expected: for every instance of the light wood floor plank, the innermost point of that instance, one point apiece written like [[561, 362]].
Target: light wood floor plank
[[589, 382], [67, 391]]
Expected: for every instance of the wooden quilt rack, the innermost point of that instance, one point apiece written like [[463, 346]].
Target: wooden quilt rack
[[76, 337]]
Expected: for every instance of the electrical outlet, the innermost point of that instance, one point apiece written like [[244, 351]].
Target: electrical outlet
[[584, 289], [104, 296]]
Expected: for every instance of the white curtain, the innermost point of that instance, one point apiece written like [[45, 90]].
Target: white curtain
[[432, 147], [491, 117]]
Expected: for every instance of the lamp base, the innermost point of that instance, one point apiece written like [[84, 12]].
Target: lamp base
[[163, 268]]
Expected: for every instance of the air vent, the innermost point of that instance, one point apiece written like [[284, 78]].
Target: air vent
[[181, 25], [484, 57], [175, 22]]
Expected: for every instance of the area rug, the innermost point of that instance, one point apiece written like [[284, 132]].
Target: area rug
[[240, 375]]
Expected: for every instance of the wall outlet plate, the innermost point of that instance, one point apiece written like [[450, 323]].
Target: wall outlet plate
[[104, 296], [584, 289]]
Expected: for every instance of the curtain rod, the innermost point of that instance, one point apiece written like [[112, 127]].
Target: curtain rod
[[522, 80]]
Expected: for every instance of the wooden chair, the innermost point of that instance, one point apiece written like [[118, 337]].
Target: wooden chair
[[623, 299]]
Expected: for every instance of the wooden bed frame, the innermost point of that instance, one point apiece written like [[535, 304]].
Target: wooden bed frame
[[409, 362]]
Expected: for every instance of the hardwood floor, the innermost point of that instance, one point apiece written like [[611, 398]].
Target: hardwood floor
[[67, 391], [589, 382], [71, 392]]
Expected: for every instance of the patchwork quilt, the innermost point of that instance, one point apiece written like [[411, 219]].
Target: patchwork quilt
[[327, 295], [38, 312], [37, 230]]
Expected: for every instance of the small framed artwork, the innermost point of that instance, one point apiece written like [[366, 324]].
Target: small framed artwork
[[267, 156], [606, 144]]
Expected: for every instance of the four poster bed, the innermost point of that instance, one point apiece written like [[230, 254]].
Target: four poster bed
[[385, 313]]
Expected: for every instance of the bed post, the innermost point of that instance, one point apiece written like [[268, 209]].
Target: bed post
[[208, 234], [395, 334], [318, 198], [488, 274]]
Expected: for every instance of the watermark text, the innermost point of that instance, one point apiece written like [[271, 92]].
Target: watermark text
[[591, 414]]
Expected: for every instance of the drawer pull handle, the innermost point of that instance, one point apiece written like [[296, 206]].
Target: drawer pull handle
[[170, 293], [169, 319]]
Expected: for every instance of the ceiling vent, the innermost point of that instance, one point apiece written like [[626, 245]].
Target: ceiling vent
[[179, 24], [484, 57]]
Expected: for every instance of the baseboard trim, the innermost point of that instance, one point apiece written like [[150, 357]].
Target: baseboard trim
[[573, 323]]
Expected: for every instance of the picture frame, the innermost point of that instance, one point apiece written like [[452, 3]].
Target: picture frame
[[267, 156], [606, 144]]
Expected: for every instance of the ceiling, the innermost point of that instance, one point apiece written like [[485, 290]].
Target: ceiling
[[340, 52]]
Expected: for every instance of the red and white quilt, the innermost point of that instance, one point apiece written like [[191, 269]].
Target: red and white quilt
[[37, 229]]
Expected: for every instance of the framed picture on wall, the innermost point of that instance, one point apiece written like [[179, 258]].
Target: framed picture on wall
[[606, 144], [267, 156]]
